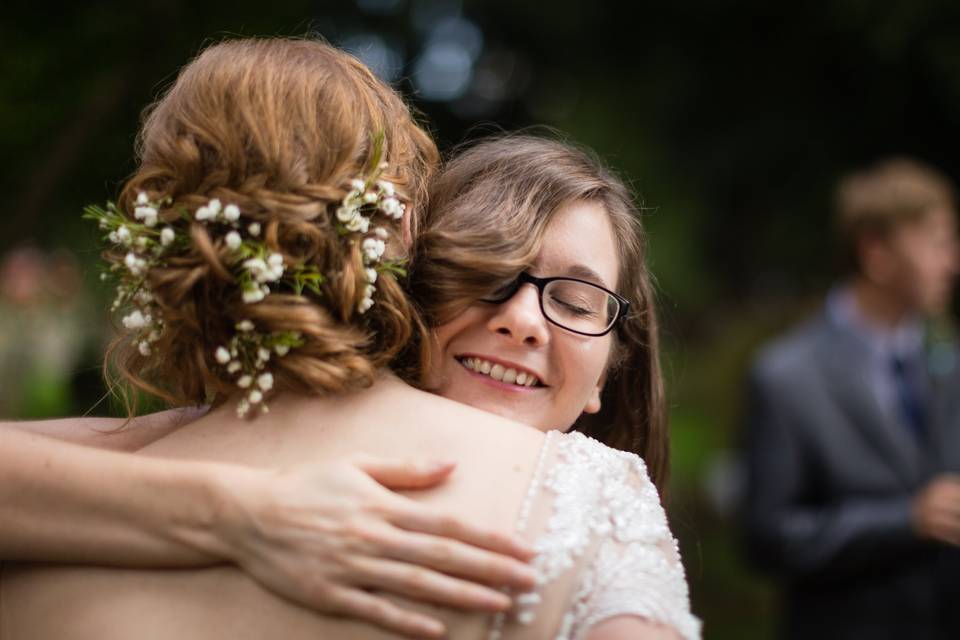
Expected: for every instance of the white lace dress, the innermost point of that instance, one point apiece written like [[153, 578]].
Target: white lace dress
[[603, 546]]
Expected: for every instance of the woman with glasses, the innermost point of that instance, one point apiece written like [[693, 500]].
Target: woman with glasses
[[520, 264]]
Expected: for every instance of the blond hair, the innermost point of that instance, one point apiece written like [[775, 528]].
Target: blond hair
[[886, 195]]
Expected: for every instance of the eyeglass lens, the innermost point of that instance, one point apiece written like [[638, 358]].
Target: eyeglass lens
[[579, 306]]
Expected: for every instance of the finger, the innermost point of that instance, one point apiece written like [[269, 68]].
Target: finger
[[409, 515], [383, 613], [456, 558], [423, 584], [405, 474]]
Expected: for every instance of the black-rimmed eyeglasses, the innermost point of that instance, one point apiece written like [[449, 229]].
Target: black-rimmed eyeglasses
[[573, 304]]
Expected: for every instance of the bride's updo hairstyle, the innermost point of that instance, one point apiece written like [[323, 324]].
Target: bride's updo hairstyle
[[276, 131], [488, 211]]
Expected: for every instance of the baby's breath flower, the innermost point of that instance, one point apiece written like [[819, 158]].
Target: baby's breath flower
[[243, 408], [245, 325], [386, 187], [255, 397], [358, 223], [135, 320], [222, 355], [135, 264], [373, 248], [214, 206], [231, 212], [358, 184], [143, 198], [244, 381], [381, 233], [253, 294], [282, 349], [147, 214], [144, 348], [393, 208], [123, 235], [254, 229], [204, 213], [234, 240], [234, 366], [263, 354], [167, 236], [371, 274], [265, 381]]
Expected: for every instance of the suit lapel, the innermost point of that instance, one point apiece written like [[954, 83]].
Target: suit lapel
[[846, 366]]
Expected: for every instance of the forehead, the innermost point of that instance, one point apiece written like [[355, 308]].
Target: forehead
[[580, 235]]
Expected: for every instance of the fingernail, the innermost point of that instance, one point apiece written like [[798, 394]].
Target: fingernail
[[525, 575], [500, 602], [524, 547], [433, 628]]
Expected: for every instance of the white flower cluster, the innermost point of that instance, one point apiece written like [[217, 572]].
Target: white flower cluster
[[246, 358], [365, 198], [144, 246], [261, 273], [257, 272]]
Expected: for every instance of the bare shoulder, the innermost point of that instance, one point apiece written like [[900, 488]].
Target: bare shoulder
[[631, 628]]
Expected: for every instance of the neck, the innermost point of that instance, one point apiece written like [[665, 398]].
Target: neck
[[877, 305]]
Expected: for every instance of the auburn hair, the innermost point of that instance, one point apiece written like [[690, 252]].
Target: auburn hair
[[277, 127], [488, 210]]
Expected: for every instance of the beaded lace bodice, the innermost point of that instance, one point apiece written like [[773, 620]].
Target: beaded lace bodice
[[603, 530]]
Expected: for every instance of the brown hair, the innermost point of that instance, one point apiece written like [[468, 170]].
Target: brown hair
[[278, 127], [488, 211], [883, 196]]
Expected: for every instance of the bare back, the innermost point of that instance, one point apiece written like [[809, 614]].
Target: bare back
[[495, 461]]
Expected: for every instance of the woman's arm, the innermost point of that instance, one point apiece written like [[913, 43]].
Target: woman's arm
[[115, 434], [319, 535]]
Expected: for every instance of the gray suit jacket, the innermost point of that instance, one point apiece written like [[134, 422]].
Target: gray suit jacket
[[830, 482]]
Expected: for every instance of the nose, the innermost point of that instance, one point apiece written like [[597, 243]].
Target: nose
[[519, 318]]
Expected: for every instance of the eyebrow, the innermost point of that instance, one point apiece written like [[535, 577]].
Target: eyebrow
[[584, 272]]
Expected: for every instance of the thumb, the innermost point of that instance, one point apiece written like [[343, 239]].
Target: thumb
[[405, 474]]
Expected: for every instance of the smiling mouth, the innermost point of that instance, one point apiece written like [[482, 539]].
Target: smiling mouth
[[500, 373]]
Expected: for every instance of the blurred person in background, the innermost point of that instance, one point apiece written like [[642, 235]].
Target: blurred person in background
[[853, 439], [41, 297]]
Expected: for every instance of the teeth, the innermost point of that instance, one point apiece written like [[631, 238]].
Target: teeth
[[501, 373]]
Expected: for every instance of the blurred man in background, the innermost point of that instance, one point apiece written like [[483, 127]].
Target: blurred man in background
[[853, 440]]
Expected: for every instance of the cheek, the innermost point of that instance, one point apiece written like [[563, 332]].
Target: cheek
[[587, 362]]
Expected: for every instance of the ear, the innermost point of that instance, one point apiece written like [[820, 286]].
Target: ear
[[593, 403], [405, 226], [874, 255]]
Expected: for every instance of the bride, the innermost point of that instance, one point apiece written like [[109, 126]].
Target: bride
[[267, 277]]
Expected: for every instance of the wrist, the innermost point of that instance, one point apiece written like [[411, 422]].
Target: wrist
[[232, 495], [213, 511]]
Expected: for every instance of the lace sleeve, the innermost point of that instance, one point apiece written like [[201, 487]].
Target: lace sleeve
[[636, 569]]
